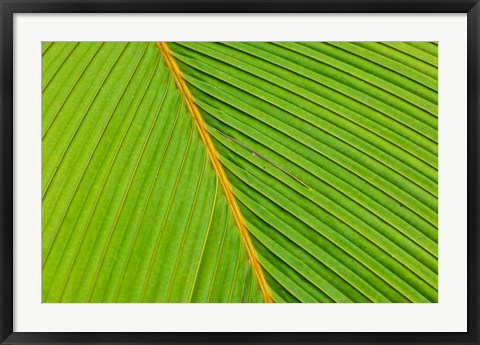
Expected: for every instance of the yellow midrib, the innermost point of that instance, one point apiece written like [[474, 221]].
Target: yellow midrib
[[217, 167]]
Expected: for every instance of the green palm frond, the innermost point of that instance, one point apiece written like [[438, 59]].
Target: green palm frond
[[330, 150]]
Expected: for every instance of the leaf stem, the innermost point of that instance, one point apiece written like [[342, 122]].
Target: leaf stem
[[217, 167]]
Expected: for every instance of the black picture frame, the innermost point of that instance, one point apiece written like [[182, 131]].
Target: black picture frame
[[10, 7]]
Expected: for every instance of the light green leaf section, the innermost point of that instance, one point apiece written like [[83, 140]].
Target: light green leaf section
[[331, 149], [131, 208]]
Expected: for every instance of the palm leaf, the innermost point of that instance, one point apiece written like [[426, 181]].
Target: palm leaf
[[330, 150]]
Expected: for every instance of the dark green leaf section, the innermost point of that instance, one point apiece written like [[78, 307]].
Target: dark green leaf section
[[331, 149], [131, 208]]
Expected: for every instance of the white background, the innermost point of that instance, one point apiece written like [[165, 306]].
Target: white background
[[449, 315]]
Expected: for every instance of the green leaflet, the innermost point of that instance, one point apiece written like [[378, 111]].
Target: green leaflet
[[131, 208], [331, 149]]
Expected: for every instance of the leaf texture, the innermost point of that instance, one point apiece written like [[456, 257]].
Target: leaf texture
[[132, 210], [331, 149]]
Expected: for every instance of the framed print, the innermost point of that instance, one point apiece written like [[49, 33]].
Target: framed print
[[239, 172]]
